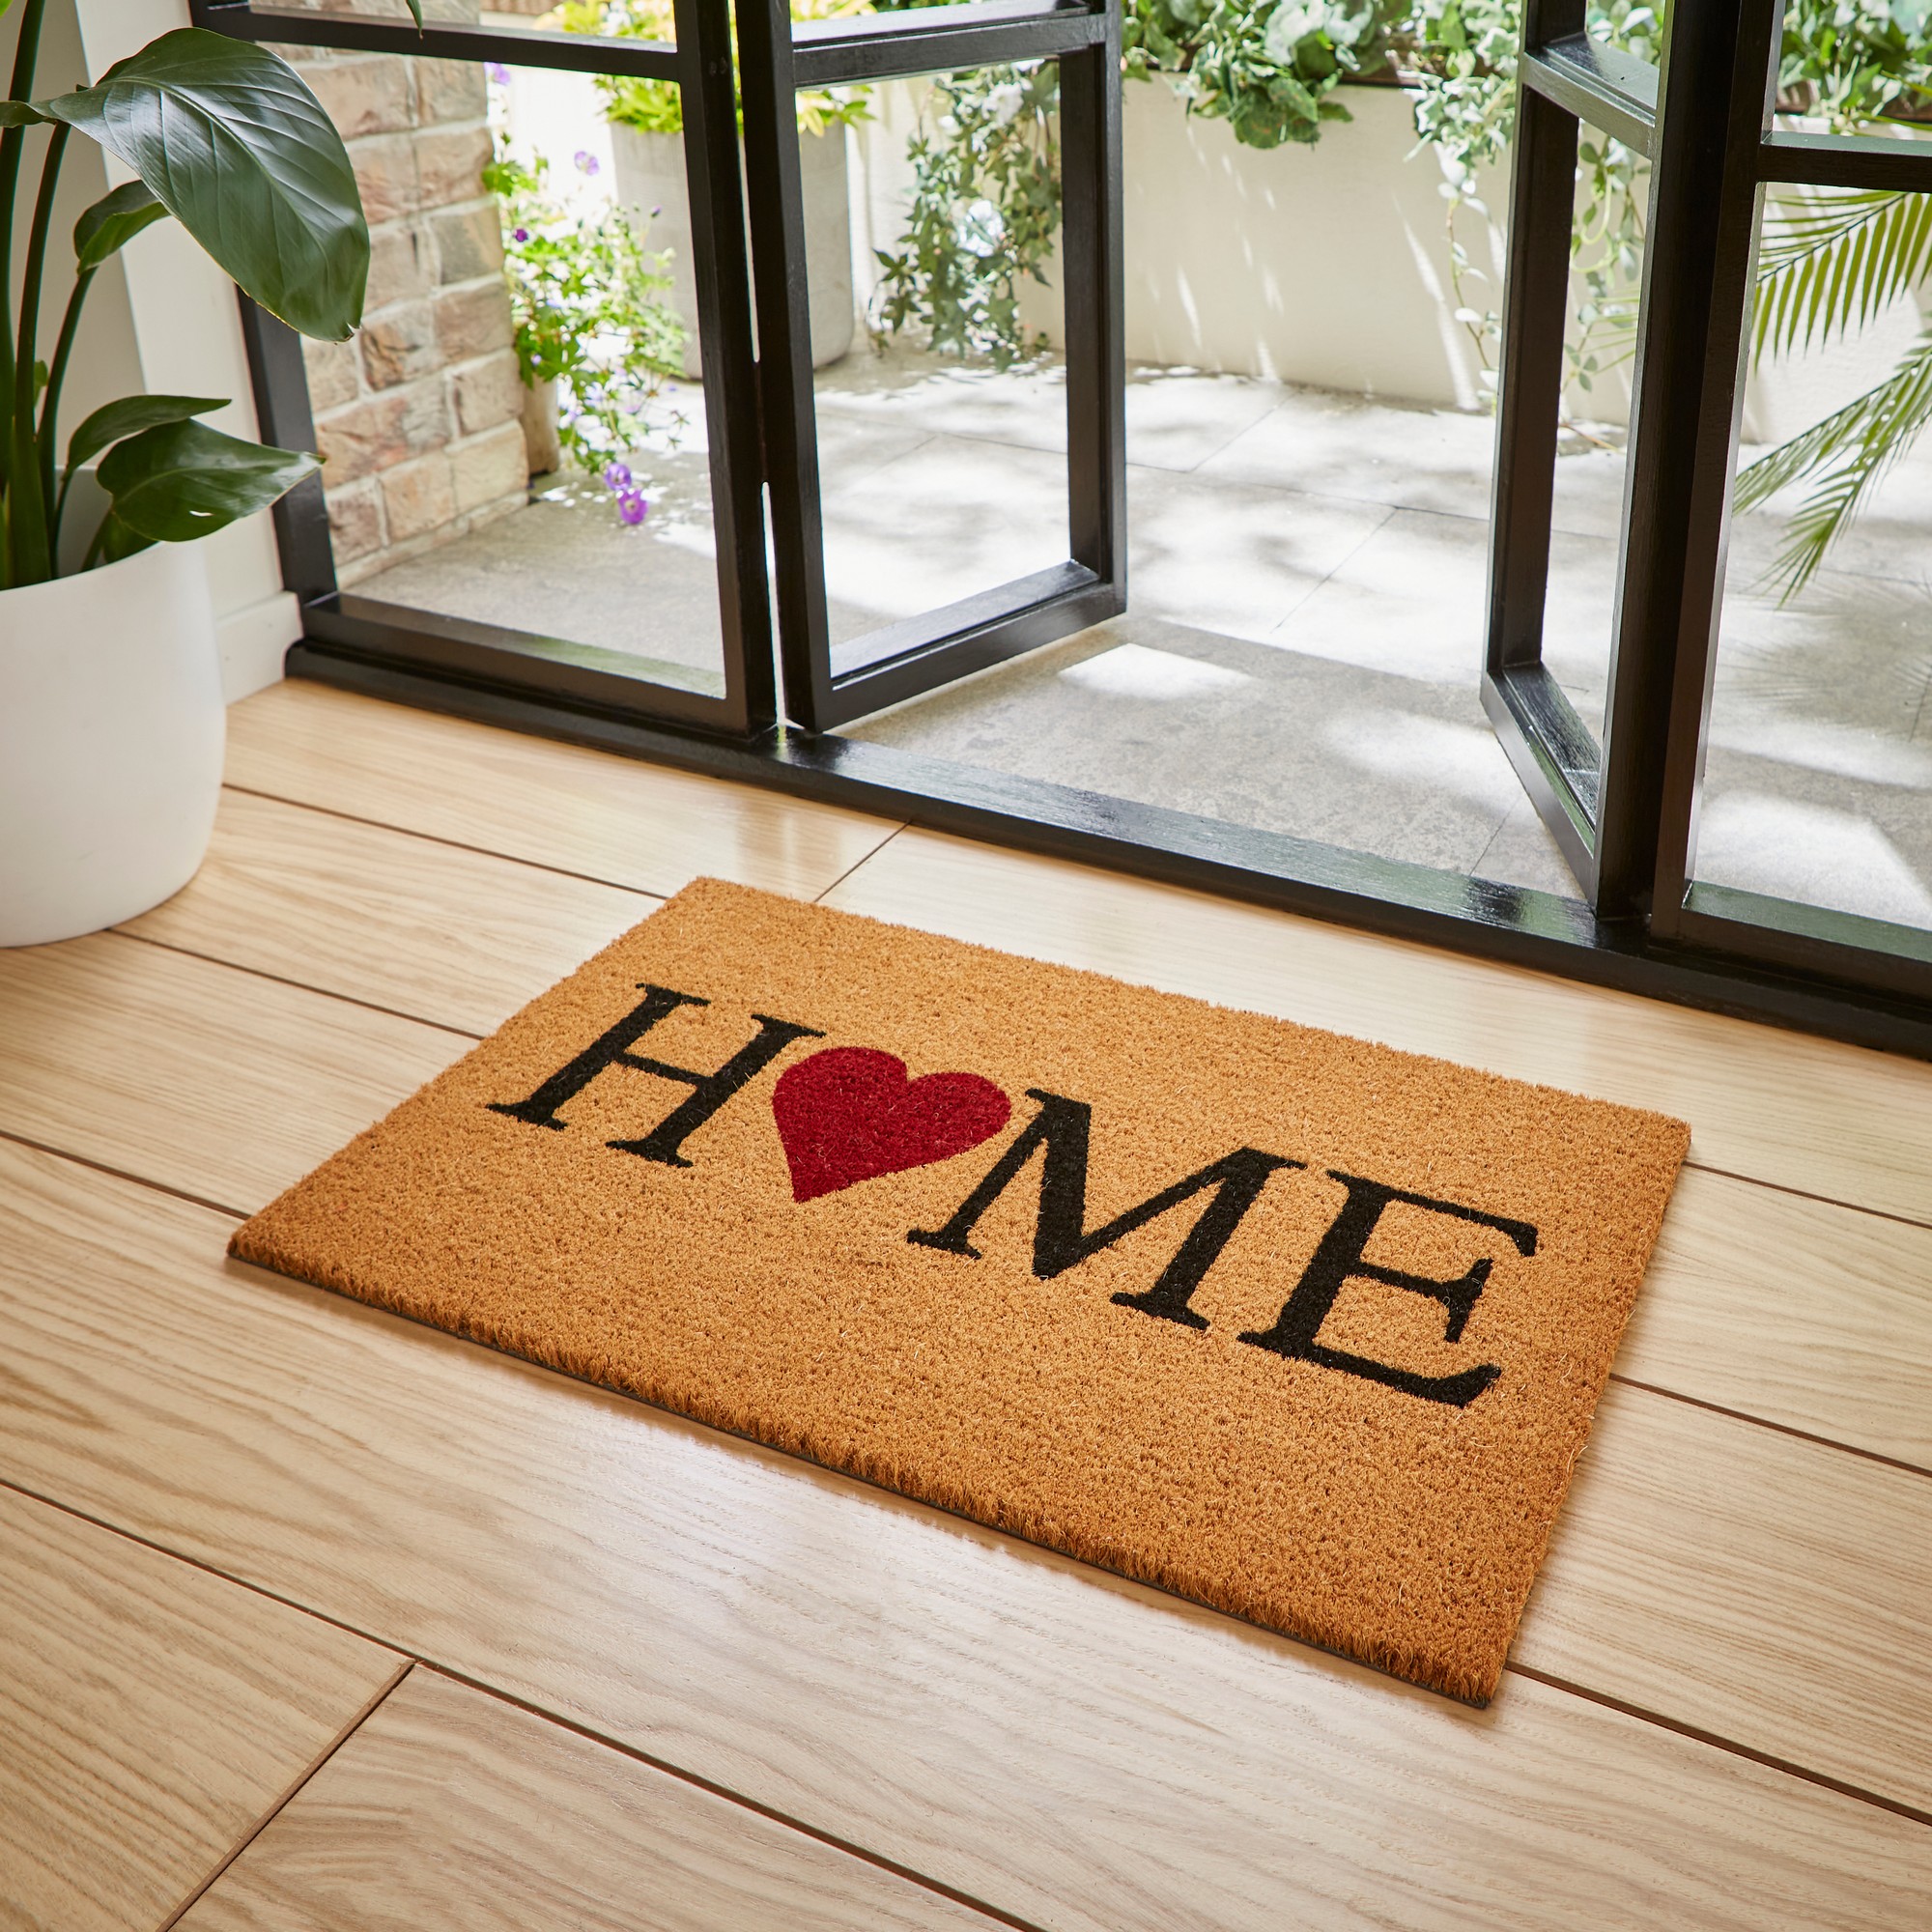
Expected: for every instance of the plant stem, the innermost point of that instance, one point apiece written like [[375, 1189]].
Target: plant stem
[[25, 57], [31, 558], [49, 430]]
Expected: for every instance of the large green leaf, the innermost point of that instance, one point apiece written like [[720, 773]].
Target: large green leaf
[[1831, 260], [231, 141], [1844, 458], [181, 480], [113, 222], [130, 416]]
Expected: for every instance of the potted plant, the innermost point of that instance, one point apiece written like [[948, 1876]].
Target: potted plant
[[646, 120], [111, 717]]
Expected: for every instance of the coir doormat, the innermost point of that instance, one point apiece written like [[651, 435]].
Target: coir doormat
[[1306, 1329]]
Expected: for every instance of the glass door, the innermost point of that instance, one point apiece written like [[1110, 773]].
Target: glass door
[[999, 554]]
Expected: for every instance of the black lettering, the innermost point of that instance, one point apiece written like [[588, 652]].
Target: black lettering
[[1061, 1240], [709, 1091], [1337, 1260]]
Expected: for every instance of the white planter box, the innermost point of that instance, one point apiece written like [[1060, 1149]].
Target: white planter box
[[111, 738], [650, 181]]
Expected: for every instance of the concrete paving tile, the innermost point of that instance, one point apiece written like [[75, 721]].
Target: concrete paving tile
[[1412, 601], [1525, 853], [951, 517], [564, 566], [1174, 716], [1233, 557], [1768, 827], [1177, 419], [1410, 457]]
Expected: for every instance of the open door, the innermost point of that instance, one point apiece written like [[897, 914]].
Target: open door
[[831, 677]]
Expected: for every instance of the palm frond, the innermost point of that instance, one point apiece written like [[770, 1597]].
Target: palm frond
[[1849, 452], [1831, 262]]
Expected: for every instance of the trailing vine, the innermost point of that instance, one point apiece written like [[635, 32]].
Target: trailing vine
[[985, 210]]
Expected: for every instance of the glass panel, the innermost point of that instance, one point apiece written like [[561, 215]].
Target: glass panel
[[938, 384], [576, 507], [544, 17], [1600, 348], [1818, 780], [1310, 459]]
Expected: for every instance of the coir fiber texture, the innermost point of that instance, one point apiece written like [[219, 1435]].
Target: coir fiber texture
[[1303, 1328]]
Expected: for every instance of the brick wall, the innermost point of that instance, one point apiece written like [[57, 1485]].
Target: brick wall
[[418, 420]]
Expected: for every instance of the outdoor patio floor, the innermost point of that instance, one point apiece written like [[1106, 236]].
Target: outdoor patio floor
[[1306, 599]]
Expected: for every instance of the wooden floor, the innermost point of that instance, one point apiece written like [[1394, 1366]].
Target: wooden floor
[[310, 1617]]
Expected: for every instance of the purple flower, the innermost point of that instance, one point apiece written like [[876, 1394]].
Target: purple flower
[[586, 161], [521, 235], [618, 475], [632, 508], [498, 73]]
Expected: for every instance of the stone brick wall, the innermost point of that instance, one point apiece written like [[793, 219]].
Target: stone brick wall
[[418, 420]]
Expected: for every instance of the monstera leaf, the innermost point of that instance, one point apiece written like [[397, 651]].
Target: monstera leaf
[[229, 140], [181, 480]]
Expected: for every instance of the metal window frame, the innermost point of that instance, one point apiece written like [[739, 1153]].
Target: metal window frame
[[826, 686], [1700, 946], [744, 700], [1625, 809]]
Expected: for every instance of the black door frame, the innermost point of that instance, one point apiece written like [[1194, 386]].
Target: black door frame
[[828, 685], [1623, 811]]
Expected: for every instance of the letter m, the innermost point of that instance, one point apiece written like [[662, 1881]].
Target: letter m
[[1060, 1131]]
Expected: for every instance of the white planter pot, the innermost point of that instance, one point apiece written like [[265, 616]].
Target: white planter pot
[[650, 179], [111, 737]]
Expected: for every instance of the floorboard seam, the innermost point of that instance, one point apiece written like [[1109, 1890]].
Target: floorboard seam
[[407, 1660], [876, 1859], [1777, 1428], [455, 844], [282, 1802], [123, 1173], [282, 980], [1643, 1715], [1808, 1194], [857, 865]]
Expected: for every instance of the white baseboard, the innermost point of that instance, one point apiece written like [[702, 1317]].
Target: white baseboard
[[253, 640]]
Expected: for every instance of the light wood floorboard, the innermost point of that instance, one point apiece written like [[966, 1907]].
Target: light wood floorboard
[[213, 1082], [452, 1812], [1746, 1584], [590, 812], [1809, 1315], [1814, 1317], [933, 1691], [150, 1715], [439, 933], [1782, 1107]]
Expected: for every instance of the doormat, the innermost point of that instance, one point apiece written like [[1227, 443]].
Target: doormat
[[1303, 1329]]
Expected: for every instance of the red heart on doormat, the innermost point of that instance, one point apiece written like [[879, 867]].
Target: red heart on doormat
[[849, 1114]]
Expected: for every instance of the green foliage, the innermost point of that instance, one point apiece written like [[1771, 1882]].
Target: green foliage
[[1269, 68], [1831, 262], [180, 480], [1856, 61], [986, 207], [224, 137], [1843, 459], [588, 302], [228, 138], [656, 106]]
